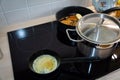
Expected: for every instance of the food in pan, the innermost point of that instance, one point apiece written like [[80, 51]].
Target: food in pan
[[44, 64], [71, 20], [115, 14], [118, 12]]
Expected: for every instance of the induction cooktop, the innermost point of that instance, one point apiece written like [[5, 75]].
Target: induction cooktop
[[26, 41]]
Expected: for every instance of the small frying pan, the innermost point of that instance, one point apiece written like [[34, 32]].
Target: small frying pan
[[58, 59], [113, 9]]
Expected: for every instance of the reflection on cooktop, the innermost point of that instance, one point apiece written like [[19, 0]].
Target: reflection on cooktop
[[24, 42]]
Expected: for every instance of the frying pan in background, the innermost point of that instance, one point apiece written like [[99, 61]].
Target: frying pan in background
[[59, 61], [113, 9], [61, 28]]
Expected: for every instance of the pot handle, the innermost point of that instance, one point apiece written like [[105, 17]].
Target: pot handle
[[67, 31]]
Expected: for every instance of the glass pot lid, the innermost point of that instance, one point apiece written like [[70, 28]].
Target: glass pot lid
[[99, 28]]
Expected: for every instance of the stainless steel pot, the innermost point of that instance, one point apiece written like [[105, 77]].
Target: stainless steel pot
[[99, 34], [95, 51]]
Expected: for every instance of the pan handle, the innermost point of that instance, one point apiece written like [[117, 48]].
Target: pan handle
[[67, 31], [80, 59]]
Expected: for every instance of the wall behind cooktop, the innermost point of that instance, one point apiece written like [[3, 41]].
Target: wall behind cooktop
[[18, 11]]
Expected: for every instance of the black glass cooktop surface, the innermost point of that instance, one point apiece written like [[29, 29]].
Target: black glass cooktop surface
[[24, 42]]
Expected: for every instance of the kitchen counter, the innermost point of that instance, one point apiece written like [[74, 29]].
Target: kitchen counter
[[6, 72]]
